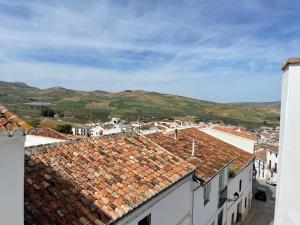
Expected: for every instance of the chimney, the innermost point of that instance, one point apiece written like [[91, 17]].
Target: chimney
[[288, 184], [193, 148], [176, 134]]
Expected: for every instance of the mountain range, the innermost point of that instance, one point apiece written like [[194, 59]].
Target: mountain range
[[96, 105]]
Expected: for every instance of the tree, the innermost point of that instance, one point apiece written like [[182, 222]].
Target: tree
[[65, 128], [47, 112]]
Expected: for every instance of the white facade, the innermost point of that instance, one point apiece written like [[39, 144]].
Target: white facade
[[261, 168], [172, 207], [241, 184], [287, 210], [12, 180], [207, 212], [240, 142], [34, 140]]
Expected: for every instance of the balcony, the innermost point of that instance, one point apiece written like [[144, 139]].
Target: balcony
[[222, 196]]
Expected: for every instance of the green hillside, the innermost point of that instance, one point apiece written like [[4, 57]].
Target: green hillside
[[86, 106]]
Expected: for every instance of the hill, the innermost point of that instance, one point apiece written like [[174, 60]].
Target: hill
[[86, 106]]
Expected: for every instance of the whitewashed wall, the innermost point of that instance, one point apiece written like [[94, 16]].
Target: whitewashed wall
[[261, 169], [287, 210], [207, 214], [12, 180], [246, 192], [34, 140], [242, 143], [272, 157], [173, 209]]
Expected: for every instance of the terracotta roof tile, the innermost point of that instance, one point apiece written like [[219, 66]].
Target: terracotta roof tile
[[49, 132], [10, 123], [95, 181], [261, 155], [211, 154]]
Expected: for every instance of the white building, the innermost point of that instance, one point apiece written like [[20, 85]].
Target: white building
[[42, 136], [108, 180], [236, 137], [266, 163], [287, 210], [12, 139], [223, 181]]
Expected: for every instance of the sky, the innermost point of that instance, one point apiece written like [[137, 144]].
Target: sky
[[217, 50]]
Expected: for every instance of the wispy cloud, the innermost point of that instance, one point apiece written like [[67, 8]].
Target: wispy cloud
[[222, 50]]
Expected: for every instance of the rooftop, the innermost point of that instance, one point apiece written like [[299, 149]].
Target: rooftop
[[10, 124], [49, 132], [261, 155], [96, 181], [290, 61], [211, 154], [236, 132]]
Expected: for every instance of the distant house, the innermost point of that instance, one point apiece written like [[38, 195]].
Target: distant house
[[223, 182], [267, 161]]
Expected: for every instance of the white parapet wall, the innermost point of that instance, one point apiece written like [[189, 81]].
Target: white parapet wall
[[287, 210], [12, 180]]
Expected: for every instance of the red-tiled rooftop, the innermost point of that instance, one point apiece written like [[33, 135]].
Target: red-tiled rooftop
[[236, 132], [261, 155], [96, 181], [49, 132], [10, 123], [211, 154]]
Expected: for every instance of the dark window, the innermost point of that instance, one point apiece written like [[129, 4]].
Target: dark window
[[240, 187], [232, 219], [146, 220], [246, 203], [275, 168], [220, 218]]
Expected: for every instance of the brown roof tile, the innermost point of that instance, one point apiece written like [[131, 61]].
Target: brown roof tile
[[11, 123], [49, 132], [95, 181], [211, 154]]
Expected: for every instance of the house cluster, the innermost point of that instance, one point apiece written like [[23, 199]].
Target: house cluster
[[188, 176], [115, 126]]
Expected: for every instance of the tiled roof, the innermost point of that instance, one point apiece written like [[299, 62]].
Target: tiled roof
[[272, 148], [261, 155], [11, 124], [49, 132], [236, 132], [96, 181], [211, 154]]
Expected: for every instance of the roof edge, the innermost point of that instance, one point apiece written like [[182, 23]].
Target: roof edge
[[290, 61]]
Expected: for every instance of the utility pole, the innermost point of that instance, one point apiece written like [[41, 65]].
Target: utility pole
[[140, 116]]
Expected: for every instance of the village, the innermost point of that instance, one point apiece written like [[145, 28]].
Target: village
[[139, 173]]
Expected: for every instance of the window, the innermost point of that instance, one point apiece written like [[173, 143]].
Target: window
[[232, 219], [240, 186], [246, 203], [220, 218], [275, 168], [270, 164], [221, 180], [146, 220], [206, 193]]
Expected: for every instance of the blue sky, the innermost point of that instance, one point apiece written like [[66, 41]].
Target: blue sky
[[219, 50]]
